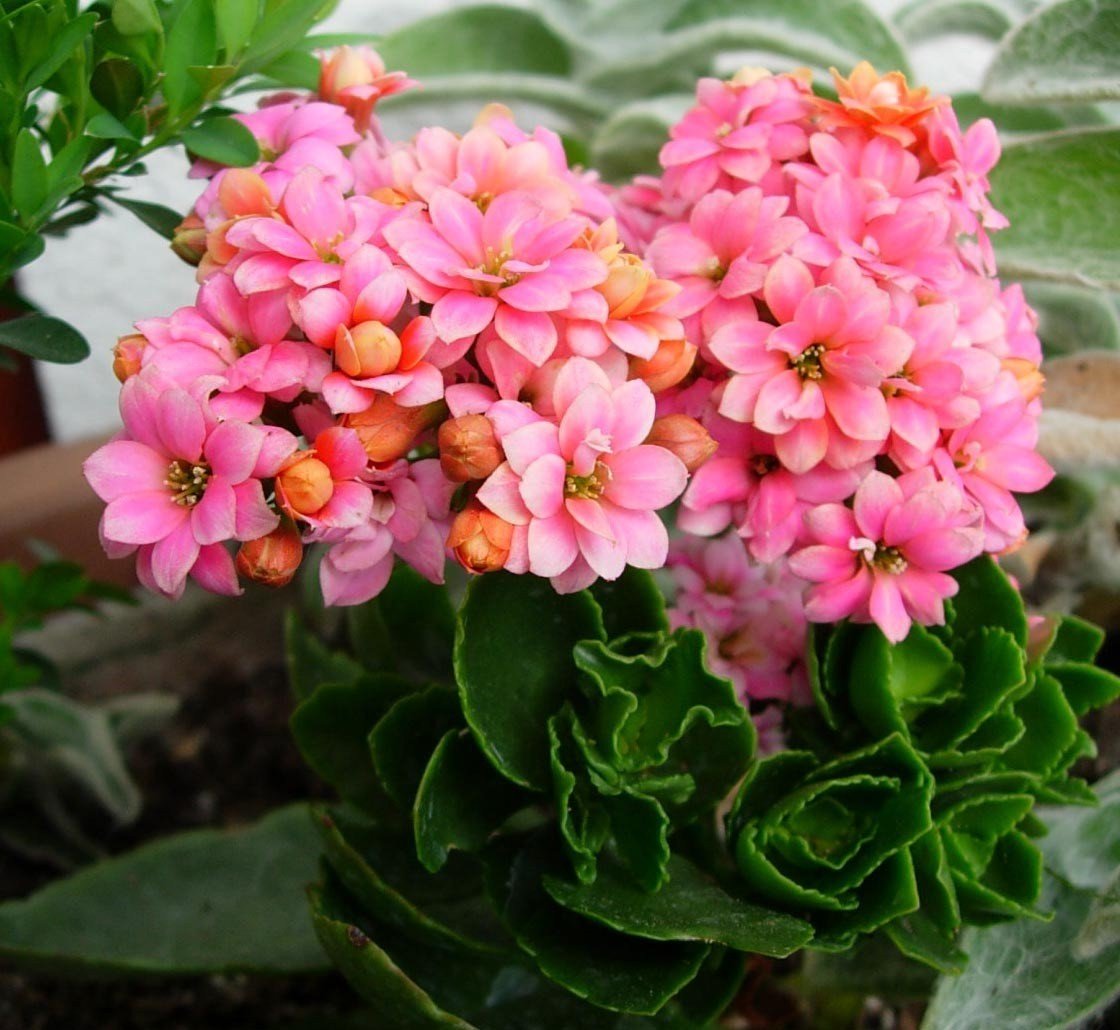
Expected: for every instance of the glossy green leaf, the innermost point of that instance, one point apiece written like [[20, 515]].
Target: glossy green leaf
[[29, 175], [117, 85], [633, 603], [45, 338], [332, 727], [1075, 640], [1050, 188], [283, 25], [402, 742], [987, 598], [191, 42], [461, 801], [483, 38], [236, 20], [689, 907], [513, 663], [1064, 52], [223, 140], [159, 219], [1085, 686], [311, 663], [62, 46], [206, 901], [136, 17]]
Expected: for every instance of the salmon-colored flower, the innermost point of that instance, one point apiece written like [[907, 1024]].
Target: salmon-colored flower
[[880, 104]]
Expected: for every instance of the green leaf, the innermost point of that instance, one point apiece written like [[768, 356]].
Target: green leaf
[[1083, 845], [402, 742], [1050, 188], [136, 17], [29, 175], [1064, 52], [311, 663], [117, 85], [191, 42], [282, 26], [513, 663], [920, 20], [602, 966], [633, 603], [106, 126], [48, 339], [1075, 640], [1072, 319], [629, 141], [63, 45], [224, 140], [483, 38], [690, 907], [236, 20], [1085, 686], [207, 901], [461, 801], [332, 728], [988, 598], [156, 217]]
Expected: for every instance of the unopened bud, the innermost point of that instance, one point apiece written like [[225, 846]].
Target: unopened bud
[[626, 284], [1028, 375], [683, 436], [387, 429], [479, 539], [468, 448], [305, 485], [346, 67], [188, 241], [272, 559], [672, 362], [367, 350], [127, 356]]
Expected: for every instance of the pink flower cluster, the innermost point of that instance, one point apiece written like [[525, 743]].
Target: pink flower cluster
[[397, 350], [872, 387]]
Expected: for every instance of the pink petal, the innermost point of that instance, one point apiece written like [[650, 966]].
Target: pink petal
[[233, 449], [501, 493], [254, 517], [552, 544], [524, 445], [542, 485], [831, 602], [181, 424], [606, 555], [823, 563], [643, 535], [531, 334], [888, 609], [213, 519], [634, 411], [125, 467], [461, 314], [213, 570], [878, 495], [142, 518], [320, 313], [173, 558], [460, 223], [645, 477]]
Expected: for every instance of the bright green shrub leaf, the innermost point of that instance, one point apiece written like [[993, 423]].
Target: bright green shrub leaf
[[223, 140], [62, 46], [1050, 187], [987, 598], [45, 338], [191, 42], [311, 663], [156, 217], [29, 175], [920, 20], [513, 663], [689, 907], [282, 25], [1066, 51], [460, 802], [1085, 686], [483, 38], [332, 727], [236, 20], [633, 603], [117, 85], [609, 969], [206, 901], [403, 740], [136, 17]]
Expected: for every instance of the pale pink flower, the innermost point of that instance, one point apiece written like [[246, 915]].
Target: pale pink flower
[[584, 493], [182, 482], [814, 381], [355, 78], [738, 133], [512, 267], [885, 559]]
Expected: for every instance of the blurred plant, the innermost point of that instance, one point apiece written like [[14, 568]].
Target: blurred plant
[[88, 91]]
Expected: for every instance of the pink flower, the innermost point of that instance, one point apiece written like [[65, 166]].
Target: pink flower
[[885, 559], [737, 133], [321, 486], [512, 267], [582, 495], [182, 482], [814, 381], [727, 247], [355, 78]]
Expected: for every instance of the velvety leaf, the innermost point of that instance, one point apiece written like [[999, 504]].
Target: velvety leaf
[[223, 140], [1101, 929], [332, 727], [461, 801], [1009, 119], [205, 901], [609, 969], [920, 20], [1050, 187], [689, 907], [633, 603], [1066, 51], [987, 598], [1083, 844], [311, 663], [513, 663], [1073, 319], [481, 38], [45, 338], [402, 742]]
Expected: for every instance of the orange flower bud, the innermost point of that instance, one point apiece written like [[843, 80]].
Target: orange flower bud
[[305, 484], [272, 559], [468, 448], [479, 539], [243, 192], [626, 284], [369, 349], [345, 67], [387, 430], [127, 354], [1029, 376], [672, 362], [189, 239], [685, 437]]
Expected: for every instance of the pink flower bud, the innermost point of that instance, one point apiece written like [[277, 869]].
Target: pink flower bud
[[127, 354], [468, 448], [479, 539], [672, 362], [272, 559], [367, 350], [305, 485], [683, 436]]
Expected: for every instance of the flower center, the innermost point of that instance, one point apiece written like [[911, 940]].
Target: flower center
[[494, 265], [724, 130], [879, 556], [187, 481], [762, 464], [808, 363], [483, 201], [591, 486]]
